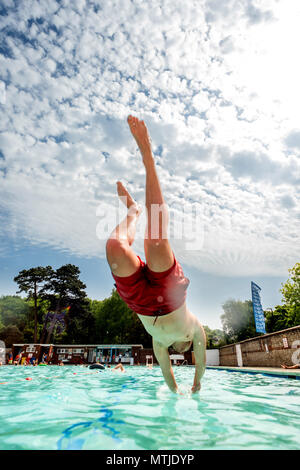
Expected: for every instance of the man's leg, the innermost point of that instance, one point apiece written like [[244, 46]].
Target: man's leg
[[121, 258], [158, 252]]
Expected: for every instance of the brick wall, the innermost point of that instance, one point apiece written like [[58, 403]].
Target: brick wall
[[269, 350], [228, 356]]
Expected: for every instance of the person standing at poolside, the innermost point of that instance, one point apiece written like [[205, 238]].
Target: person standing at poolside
[[44, 358], [18, 358], [156, 291], [10, 358]]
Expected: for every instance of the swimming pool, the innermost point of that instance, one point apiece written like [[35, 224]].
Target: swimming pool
[[76, 408]]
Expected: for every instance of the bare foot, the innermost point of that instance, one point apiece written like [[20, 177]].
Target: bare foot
[[132, 206], [140, 133]]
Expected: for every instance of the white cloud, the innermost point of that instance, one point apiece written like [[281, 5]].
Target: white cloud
[[216, 82]]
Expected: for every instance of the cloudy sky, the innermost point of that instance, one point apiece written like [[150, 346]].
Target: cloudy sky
[[217, 83]]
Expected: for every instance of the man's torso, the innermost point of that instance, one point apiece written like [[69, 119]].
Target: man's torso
[[178, 325]]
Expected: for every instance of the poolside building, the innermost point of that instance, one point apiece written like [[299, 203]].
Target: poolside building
[[89, 353], [79, 353], [130, 354]]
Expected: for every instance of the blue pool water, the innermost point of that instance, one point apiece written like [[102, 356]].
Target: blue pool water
[[75, 408]]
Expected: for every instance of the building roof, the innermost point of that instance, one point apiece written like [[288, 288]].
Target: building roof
[[33, 344], [103, 346]]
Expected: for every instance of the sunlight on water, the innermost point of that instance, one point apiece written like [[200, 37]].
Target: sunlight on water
[[76, 408]]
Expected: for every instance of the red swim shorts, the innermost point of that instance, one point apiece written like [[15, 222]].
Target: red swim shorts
[[150, 293]]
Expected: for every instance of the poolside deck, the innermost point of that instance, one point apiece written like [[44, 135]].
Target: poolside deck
[[274, 371]]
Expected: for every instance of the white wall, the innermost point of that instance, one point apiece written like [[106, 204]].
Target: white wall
[[212, 357]]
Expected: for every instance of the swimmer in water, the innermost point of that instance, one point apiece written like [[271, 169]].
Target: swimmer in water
[[156, 291], [119, 367], [98, 365]]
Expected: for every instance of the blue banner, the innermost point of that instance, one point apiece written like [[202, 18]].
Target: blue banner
[[257, 308]]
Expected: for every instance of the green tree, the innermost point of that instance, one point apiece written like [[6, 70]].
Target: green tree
[[291, 288], [11, 335], [28, 331], [238, 320], [116, 323], [277, 319], [14, 310], [63, 289], [80, 324], [214, 338], [30, 281], [291, 296]]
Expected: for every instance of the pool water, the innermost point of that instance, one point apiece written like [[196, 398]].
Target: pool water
[[76, 408]]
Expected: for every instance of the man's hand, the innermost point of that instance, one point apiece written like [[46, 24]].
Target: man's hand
[[196, 388]]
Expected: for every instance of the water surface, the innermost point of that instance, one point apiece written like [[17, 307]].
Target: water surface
[[75, 408]]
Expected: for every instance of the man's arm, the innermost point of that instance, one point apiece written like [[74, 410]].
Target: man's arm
[[199, 346], [162, 355], [119, 366]]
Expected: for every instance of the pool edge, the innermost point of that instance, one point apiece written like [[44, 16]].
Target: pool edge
[[274, 372]]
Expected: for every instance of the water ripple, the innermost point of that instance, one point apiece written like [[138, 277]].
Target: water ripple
[[75, 408]]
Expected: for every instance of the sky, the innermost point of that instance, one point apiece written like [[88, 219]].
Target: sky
[[217, 83]]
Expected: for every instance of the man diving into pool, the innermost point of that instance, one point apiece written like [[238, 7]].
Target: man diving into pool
[[155, 290]]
